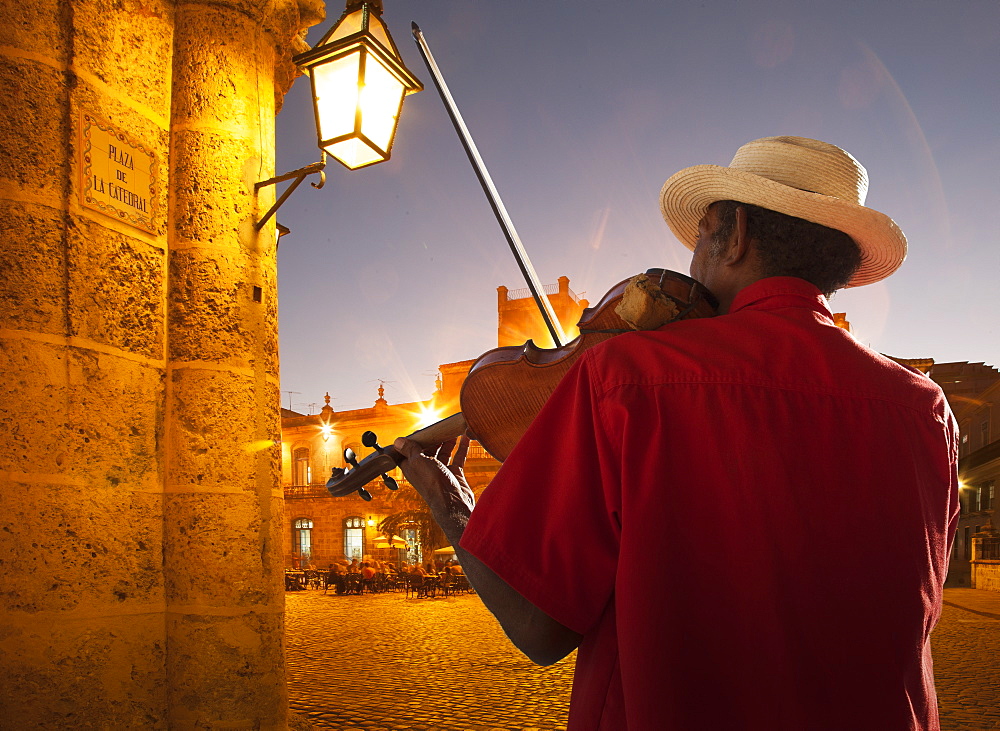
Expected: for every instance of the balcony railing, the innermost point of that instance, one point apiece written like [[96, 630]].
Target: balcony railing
[[988, 549], [478, 451], [525, 292], [304, 491]]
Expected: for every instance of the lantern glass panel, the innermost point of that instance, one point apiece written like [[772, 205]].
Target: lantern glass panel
[[378, 30], [381, 99], [350, 24], [335, 85], [354, 153]]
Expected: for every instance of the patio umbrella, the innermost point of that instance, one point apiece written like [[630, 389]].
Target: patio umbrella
[[390, 542], [444, 551]]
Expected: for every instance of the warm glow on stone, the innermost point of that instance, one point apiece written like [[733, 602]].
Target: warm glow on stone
[[142, 577], [259, 445]]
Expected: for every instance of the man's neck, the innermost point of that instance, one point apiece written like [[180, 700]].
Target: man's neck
[[725, 291]]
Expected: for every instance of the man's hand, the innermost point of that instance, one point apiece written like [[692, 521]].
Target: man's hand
[[439, 477]]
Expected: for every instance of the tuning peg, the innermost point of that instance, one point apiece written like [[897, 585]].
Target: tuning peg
[[352, 459], [370, 440]]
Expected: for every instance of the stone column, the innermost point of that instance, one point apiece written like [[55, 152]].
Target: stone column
[[223, 563], [140, 568], [82, 639]]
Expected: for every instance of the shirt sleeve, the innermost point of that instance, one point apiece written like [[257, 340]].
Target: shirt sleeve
[[549, 522]]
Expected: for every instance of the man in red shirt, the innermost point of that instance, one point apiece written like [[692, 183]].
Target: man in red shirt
[[743, 522]]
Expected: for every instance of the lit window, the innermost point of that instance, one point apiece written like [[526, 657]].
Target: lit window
[[302, 540], [354, 537], [414, 554], [301, 472]]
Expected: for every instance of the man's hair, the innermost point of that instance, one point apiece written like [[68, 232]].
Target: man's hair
[[792, 247]]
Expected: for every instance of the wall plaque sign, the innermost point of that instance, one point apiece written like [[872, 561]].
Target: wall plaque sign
[[118, 173]]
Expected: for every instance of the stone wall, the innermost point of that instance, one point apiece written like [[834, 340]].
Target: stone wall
[[140, 550], [327, 515], [986, 575]]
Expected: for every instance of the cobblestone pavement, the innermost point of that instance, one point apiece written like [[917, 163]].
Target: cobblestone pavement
[[966, 646], [383, 661]]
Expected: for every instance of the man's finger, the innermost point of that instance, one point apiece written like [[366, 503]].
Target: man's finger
[[407, 447], [461, 453], [444, 451]]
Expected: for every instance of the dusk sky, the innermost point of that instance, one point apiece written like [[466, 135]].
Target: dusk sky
[[581, 110]]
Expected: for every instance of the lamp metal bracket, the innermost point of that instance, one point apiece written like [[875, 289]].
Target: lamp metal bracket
[[296, 176]]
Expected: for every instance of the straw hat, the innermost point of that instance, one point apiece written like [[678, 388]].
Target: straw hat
[[797, 176]]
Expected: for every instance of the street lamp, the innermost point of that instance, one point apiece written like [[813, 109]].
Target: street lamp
[[358, 83]]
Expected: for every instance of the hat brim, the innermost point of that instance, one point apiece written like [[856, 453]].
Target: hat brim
[[686, 196]]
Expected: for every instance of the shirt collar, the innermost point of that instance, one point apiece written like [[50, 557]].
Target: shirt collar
[[773, 293]]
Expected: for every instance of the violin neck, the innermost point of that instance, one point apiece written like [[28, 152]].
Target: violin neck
[[441, 431]]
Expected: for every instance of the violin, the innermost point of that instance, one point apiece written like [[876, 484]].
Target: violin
[[507, 387]]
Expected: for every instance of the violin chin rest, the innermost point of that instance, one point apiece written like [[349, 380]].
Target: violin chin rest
[[644, 306]]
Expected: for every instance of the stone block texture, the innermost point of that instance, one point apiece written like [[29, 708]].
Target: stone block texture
[[84, 672], [140, 538]]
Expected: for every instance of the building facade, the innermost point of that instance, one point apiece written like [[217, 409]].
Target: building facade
[[518, 318], [319, 529], [973, 390]]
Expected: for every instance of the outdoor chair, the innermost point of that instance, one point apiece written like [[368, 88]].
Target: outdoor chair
[[418, 586], [428, 586], [352, 584], [337, 581]]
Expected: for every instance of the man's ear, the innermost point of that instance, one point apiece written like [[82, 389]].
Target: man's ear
[[739, 244]]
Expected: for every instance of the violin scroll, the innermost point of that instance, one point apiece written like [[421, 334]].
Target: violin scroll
[[384, 459], [370, 440]]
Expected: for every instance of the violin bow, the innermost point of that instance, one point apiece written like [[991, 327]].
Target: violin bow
[[513, 240]]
